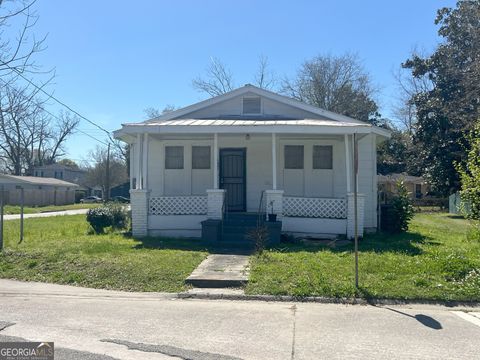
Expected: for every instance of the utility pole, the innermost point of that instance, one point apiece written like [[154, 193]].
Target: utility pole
[[107, 175]]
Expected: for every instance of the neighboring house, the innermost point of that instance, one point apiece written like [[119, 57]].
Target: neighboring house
[[62, 172], [232, 151], [416, 185], [37, 191]]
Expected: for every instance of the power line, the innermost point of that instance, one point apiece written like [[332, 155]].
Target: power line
[[58, 101], [56, 117]]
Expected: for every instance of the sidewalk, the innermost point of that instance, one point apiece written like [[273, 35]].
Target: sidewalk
[[158, 326], [46, 214]]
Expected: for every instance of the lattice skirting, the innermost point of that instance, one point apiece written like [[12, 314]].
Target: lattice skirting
[[178, 205], [315, 207]]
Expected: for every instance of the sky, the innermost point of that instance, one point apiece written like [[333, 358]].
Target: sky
[[113, 59]]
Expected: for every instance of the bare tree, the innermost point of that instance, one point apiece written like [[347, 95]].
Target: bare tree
[[96, 172], [152, 113], [336, 83], [16, 54], [408, 87], [28, 134], [264, 77], [218, 79]]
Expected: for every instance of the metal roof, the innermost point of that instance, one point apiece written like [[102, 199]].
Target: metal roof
[[252, 122]]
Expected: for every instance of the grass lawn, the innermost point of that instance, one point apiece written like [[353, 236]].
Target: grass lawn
[[437, 259], [59, 250], [14, 209]]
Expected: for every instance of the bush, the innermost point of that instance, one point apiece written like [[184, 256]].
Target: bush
[[397, 215], [110, 215]]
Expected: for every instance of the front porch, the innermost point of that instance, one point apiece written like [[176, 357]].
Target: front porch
[[175, 202]]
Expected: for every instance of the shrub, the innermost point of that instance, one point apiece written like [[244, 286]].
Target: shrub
[[110, 215], [260, 237], [398, 214]]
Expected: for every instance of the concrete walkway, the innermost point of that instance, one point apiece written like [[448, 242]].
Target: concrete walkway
[[46, 214], [153, 326], [221, 271]]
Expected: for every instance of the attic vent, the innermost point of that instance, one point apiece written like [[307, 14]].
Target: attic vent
[[251, 105]]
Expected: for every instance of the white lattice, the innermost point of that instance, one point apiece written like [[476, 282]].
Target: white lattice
[[315, 207], [178, 205]]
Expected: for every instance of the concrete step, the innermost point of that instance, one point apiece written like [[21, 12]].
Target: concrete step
[[220, 271], [237, 229]]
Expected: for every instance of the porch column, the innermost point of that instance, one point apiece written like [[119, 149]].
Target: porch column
[[215, 161], [274, 161], [139, 208], [145, 161], [138, 149], [351, 214], [347, 163]]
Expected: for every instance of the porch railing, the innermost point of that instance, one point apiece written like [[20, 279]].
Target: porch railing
[[327, 208], [178, 205]]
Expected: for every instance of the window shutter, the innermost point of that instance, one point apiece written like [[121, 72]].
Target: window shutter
[[251, 105], [322, 157], [293, 156], [200, 157], [173, 157]]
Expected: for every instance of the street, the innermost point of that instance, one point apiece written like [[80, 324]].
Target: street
[[101, 324]]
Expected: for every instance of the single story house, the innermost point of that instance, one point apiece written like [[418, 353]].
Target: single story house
[[251, 150], [37, 191], [416, 185]]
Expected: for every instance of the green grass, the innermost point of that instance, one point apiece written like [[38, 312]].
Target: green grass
[[438, 259], [14, 209], [60, 250]]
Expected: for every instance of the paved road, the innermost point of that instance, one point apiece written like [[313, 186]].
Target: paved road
[[159, 326], [47, 214]]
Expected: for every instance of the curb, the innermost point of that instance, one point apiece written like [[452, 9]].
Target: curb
[[324, 300]]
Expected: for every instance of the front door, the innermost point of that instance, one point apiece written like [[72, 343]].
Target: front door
[[232, 177]]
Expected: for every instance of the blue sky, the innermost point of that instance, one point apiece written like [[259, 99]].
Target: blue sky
[[113, 59]]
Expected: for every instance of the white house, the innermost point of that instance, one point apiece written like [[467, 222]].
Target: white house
[[247, 150]]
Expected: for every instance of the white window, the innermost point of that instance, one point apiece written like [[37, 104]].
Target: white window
[[293, 156], [251, 105], [322, 157], [173, 157], [200, 157]]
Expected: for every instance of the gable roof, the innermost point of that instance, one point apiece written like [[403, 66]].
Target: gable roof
[[248, 88]]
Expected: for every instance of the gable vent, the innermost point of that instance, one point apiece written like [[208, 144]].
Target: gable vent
[[251, 105]]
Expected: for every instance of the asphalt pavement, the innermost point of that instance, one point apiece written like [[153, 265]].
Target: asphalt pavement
[[124, 325]]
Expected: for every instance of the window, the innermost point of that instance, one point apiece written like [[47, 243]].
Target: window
[[58, 175], [200, 157], [418, 191], [322, 157], [173, 157], [251, 105], [293, 156]]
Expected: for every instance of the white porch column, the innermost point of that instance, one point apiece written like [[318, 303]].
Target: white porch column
[[274, 161], [138, 150], [215, 198], [351, 214], [274, 198], [215, 161], [145, 161], [347, 164], [132, 156], [139, 206]]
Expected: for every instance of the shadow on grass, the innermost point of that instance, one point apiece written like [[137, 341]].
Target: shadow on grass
[[186, 244], [456, 217], [405, 243]]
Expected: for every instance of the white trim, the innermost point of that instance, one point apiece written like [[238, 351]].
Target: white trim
[[215, 161], [347, 163], [138, 182], [145, 161], [274, 161], [255, 129]]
